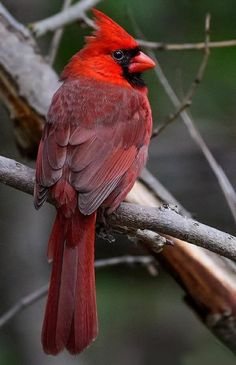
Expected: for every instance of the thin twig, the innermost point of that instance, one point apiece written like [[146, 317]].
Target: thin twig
[[33, 297], [22, 304], [57, 37], [187, 101], [171, 118], [73, 13], [222, 179], [88, 21], [204, 62], [125, 260], [161, 46]]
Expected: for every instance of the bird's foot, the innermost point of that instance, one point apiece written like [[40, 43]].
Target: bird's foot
[[104, 230]]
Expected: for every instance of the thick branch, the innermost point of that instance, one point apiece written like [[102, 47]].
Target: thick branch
[[167, 221], [21, 60], [27, 82], [163, 220]]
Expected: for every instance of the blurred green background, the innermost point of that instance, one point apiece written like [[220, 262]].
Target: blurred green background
[[143, 320]]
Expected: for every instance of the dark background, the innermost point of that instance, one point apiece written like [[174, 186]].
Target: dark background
[[143, 320]]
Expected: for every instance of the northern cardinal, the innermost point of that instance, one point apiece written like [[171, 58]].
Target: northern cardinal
[[94, 144]]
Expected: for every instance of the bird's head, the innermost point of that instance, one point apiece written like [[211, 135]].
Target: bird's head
[[110, 54]]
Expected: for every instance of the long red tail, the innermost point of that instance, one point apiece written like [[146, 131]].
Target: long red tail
[[71, 316]]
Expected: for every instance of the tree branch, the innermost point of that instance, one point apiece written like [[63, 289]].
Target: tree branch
[[132, 217], [166, 221]]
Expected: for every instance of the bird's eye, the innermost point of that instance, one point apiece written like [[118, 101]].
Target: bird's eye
[[118, 55]]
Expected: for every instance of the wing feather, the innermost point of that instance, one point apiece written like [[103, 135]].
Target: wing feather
[[89, 202], [92, 139]]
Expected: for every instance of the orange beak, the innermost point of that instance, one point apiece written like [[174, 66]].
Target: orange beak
[[141, 63]]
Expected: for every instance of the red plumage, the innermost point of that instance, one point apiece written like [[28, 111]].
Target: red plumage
[[93, 147]]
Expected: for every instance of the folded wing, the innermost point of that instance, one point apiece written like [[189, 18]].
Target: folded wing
[[92, 141]]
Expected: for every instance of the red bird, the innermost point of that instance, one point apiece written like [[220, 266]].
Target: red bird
[[94, 144]]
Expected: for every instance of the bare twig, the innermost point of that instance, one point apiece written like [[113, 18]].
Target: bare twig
[[22, 304], [87, 21], [164, 220], [161, 46], [187, 101], [57, 37], [125, 260], [77, 12], [222, 179], [33, 297], [68, 16], [171, 118], [203, 65]]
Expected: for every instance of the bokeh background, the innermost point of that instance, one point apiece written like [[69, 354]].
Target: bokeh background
[[143, 320]]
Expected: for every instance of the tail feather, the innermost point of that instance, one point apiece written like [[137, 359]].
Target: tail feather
[[84, 323], [67, 297], [71, 317], [51, 314]]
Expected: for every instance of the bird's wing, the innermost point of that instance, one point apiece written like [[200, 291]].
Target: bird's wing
[[93, 136]]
